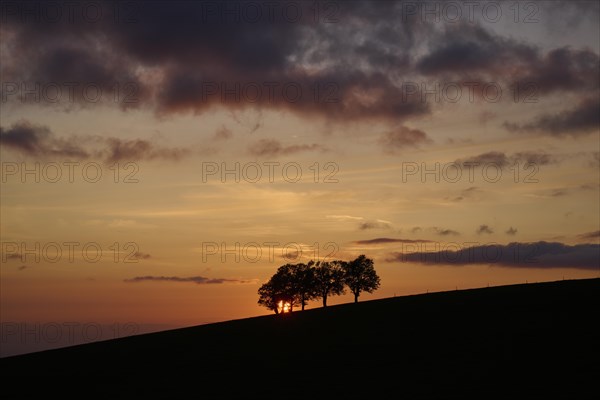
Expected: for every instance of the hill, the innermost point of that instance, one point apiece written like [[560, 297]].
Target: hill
[[530, 341]]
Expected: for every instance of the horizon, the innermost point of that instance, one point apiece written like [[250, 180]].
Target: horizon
[[160, 162], [82, 340]]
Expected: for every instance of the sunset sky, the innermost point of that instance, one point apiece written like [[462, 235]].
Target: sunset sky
[[397, 130]]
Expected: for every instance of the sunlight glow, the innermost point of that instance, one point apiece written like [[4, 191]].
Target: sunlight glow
[[283, 307]]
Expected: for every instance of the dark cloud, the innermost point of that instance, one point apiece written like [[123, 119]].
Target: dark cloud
[[468, 193], [363, 226], [595, 159], [484, 229], [563, 69], [273, 148], [22, 267], [534, 157], [141, 256], [445, 232], [559, 192], [516, 255], [583, 119], [590, 235], [40, 142], [191, 56], [493, 157], [503, 160], [13, 256], [291, 255], [223, 133], [183, 56], [465, 48], [139, 149], [416, 229], [200, 280], [403, 137], [390, 240], [487, 116], [511, 231], [468, 51]]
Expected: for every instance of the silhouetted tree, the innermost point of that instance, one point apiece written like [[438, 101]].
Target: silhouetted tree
[[303, 281], [287, 288], [329, 279], [360, 276], [279, 289], [269, 296], [296, 284]]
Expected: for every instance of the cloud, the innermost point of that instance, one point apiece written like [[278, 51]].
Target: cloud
[[223, 133], [511, 231], [566, 191], [484, 229], [470, 192], [445, 232], [138, 149], [534, 157], [200, 280], [40, 142], [141, 256], [342, 72], [513, 255], [272, 148], [562, 69], [22, 267], [378, 224], [559, 192], [290, 255], [502, 160], [492, 157], [595, 159], [403, 137], [590, 235], [344, 217], [581, 120], [468, 52], [465, 49], [299, 66], [390, 240]]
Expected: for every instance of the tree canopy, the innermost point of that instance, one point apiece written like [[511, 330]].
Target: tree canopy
[[360, 276], [295, 285]]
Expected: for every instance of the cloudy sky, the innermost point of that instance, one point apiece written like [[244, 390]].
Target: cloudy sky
[[161, 160]]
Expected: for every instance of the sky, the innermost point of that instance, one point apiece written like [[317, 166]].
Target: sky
[[160, 160]]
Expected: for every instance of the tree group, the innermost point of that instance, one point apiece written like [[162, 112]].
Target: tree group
[[294, 285]]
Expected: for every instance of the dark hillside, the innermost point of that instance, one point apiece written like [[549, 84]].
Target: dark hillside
[[530, 341]]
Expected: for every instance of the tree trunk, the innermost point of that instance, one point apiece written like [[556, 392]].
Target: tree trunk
[[303, 301], [324, 300], [356, 297]]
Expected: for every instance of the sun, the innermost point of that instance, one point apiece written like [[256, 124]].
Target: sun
[[283, 307]]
